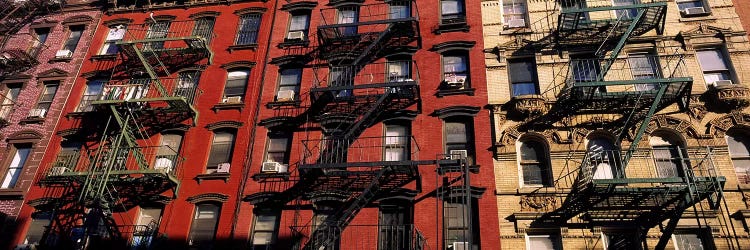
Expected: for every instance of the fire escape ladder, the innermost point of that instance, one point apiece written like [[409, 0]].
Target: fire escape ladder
[[621, 43], [150, 70], [374, 47], [330, 230], [129, 139]]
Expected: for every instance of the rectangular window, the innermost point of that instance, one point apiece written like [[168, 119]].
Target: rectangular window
[[93, 92], [187, 84], [456, 71], [458, 139], [146, 227], [247, 31], [523, 77], [116, 33], [167, 155], [221, 151], [348, 15], [204, 27], [399, 9], [74, 36], [586, 68], [47, 96], [278, 148], [715, 66], [340, 76], [264, 230], [692, 7], [396, 226], [399, 70], [39, 223], [543, 242], [396, 143], [461, 222], [299, 24], [514, 13], [644, 66], [452, 11], [289, 82], [41, 35], [15, 167], [157, 30], [236, 82], [203, 228], [9, 98]]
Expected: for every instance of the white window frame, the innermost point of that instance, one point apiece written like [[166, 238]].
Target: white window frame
[[524, 13]]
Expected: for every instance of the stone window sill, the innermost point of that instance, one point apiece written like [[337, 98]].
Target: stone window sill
[[448, 92], [212, 176], [253, 46], [228, 105]]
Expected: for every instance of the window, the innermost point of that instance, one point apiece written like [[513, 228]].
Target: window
[[668, 152], [203, 229], [289, 82], [264, 230], [693, 239], [586, 68], [169, 149], [604, 158], [236, 83], [543, 242], [40, 221], [452, 11], [319, 218], [41, 35], [458, 137], [204, 27], [188, 84], [93, 92], [714, 64], [279, 146], [534, 162], [514, 13], [620, 240], [9, 97], [461, 222], [399, 70], [397, 141], [299, 25], [73, 37], [625, 14], [739, 149], [341, 76], [247, 31], [69, 154], [47, 96], [692, 7], [644, 66], [395, 224], [523, 77], [221, 150], [15, 167], [157, 30], [348, 15], [399, 9], [116, 33], [147, 225], [456, 70]]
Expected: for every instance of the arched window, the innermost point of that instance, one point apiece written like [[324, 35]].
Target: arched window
[[534, 163], [739, 148], [668, 152], [604, 158]]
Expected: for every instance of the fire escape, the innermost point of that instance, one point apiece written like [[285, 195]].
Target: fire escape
[[123, 170], [637, 192], [354, 90]]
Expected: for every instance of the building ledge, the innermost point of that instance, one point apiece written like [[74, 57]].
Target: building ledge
[[212, 176], [269, 176], [103, 57], [222, 106], [452, 27], [61, 59], [293, 43], [11, 193], [447, 92], [275, 104], [33, 120], [253, 46]]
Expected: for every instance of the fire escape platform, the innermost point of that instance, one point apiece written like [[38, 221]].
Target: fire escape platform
[[594, 25]]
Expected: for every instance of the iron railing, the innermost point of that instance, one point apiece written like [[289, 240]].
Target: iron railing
[[391, 74], [634, 73], [134, 89], [162, 158], [165, 34], [364, 237], [351, 21], [382, 149]]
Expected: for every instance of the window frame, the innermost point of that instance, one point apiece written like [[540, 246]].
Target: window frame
[[534, 74], [46, 216], [246, 81], [274, 232], [282, 85], [45, 99], [703, 234], [524, 13], [306, 31], [71, 42], [196, 214], [469, 135], [703, 4], [464, 55], [84, 105], [205, 32], [729, 69], [109, 47], [469, 224], [10, 176], [742, 177], [286, 152], [545, 168], [212, 165], [402, 142], [554, 239], [9, 99], [452, 18], [248, 35]]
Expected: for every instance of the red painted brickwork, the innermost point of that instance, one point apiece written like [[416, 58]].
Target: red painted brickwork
[[743, 10]]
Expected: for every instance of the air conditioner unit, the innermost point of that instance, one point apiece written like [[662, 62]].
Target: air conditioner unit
[[223, 167], [273, 167], [516, 23], [296, 35], [37, 113], [720, 83], [285, 95], [163, 163], [455, 81], [64, 53], [461, 245], [232, 99], [58, 170], [694, 11], [458, 154]]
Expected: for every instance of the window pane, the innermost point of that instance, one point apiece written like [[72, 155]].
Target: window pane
[[522, 71], [455, 132], [532, 174], [688, 242], [204, 28], [236, 82], [524, 88], [265, 223], [540, 242], [73, 37], [277, 144], [530, 151], [15, 167], [711, 60], [262, 238], [451, 7], [692, 4], [290, 77], [739, 145], [299, 23], [39, 223], [454, 64], [248, 29]]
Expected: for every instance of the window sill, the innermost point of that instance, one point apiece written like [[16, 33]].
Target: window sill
[[293, 43], [266, 176], [448, 92], [76, 114], [275, 104], [60, 59], [228, 105], [11, 193], [253, 46], [452, 27], [516, 31], [212, 176], [31, 121], [696, 17], [103, 57]]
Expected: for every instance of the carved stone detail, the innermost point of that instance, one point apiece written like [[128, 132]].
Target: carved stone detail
[[538, 203], [733, 96], [719, 126], [529, 104]]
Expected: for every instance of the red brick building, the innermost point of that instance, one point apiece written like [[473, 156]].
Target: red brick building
[[743, 10], [42, 46], [273, 125]]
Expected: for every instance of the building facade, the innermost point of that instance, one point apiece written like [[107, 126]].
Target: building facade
[[618, 124], [42, 47]]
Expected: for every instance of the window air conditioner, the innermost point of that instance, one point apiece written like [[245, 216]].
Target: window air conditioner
[[58, 171], [694, 11], [163, 163], [285, 95], [232, 99], [460, 245], [720, 83], [273, 167], [458, 154], [223, 167], [516, 23], [37, 113], [296, 35], [455, 81], [63, 53]]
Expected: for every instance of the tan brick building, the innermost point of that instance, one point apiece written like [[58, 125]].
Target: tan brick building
[[619, 124]]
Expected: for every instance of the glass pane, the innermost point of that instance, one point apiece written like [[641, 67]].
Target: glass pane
[[540, 242], [277, 144], [299, 23], [523, 71], [290, 77], [739, 145], [262, 238], [265, 223], [454, 64], [524, 88], [532, 174], [116, 33], [149, 215], [207, 211], [711, 60], [451, 7], [15, 167], [395, 135], [531, 151], [399, 10], [692, 4], [688, 242], [455, 132]]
